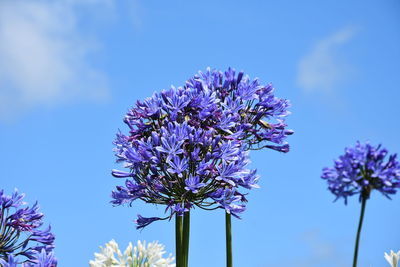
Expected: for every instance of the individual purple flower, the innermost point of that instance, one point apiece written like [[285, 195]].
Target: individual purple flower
[[143, 222], [21, 236], [250, 180], [193, 184], [230, 200], [177, 165], [44, 237], [127, 194], [42, 259], [187, 143], [15, 200], [121, 174], [228, 173], [45, 259], [228, 150], [171, 146], [26, 219], [10, 262], [362, 169]]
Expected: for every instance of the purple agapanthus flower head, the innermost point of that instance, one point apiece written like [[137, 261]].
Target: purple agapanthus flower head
[[22, 239], [188, 146], [361, 169]]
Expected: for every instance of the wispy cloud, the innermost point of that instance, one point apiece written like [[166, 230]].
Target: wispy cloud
[[322, 252], [136, 12], [322, 68], [44, 56]]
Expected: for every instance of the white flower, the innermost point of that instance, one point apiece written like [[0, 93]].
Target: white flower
[[393, 258], [138, 256]]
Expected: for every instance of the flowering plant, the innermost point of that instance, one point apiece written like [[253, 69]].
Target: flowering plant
[[187, 146], [142, 255], [22, 241], [361, 170]]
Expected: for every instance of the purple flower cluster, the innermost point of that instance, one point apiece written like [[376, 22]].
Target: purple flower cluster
[[361, 169], [22, 241], [188, 146], [42, 259]]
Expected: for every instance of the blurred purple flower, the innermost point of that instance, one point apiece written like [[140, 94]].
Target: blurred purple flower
[[361, 169]]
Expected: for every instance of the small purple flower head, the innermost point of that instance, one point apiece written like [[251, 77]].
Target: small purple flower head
[[188, 143], [21, 238], [362, 169]]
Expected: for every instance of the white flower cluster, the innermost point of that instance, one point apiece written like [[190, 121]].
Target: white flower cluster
[[393, 258], [138, 256]]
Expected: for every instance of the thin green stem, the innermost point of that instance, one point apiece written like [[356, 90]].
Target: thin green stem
[[228, 229], [363, 202], [185, 239], [178, 240]]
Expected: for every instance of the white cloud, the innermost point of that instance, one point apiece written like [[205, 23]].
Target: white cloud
[[322, 68], [44, 56]]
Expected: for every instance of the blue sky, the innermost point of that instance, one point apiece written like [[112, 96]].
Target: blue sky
[[69, 70]]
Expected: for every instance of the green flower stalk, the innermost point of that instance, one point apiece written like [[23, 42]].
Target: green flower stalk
[[228, 232]]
